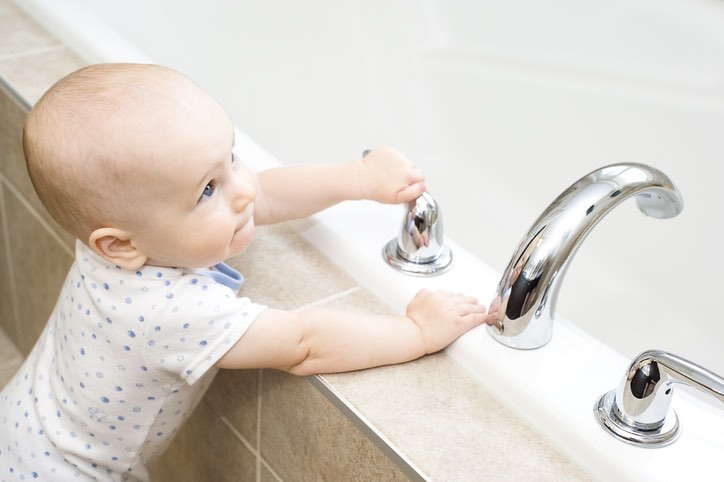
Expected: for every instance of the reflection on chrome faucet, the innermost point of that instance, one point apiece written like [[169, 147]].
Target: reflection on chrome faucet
[[638, 411], [521, 314], [419, 248]]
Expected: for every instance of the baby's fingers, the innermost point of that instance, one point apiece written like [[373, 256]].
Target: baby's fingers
[[410, 193], [471, 308], [473, 319], [471, 314]]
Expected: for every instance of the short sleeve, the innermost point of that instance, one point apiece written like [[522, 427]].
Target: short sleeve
[[198, 324]]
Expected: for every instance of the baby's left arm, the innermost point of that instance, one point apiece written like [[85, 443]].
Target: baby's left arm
[[292, 192]]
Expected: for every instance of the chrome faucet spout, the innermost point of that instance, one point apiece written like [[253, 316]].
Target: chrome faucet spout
[[522, 311]]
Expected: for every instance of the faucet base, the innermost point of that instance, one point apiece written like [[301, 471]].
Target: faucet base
[[605, 413], [439, 265], [532, 341]]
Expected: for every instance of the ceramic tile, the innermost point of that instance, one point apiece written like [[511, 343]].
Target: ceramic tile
[[30, 81], [8, 369], [283, 271], [20, 33], [235, 395], [8, 351], [205, 449], [12, 118], [360, 300], [12, 165], [268, 476], [40, 265], [10, 359], [7, 7], [7, 301], [401, 400], [304, 437]]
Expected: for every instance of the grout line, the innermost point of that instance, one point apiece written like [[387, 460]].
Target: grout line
[[5, 231], [329, 298], [238, 435], [257, 453], [271, 470], [12, 354], [260, 385], [368, 429], [259, 459], [35, 214], [28, 53]]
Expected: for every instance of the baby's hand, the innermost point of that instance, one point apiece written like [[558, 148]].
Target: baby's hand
[[442, 316], [388, 177]]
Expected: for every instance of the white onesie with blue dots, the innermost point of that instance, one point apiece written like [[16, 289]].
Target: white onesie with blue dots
[[122, 362]]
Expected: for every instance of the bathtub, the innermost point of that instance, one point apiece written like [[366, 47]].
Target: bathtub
[[503, 110]]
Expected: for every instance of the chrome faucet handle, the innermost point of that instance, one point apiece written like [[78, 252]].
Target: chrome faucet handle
[[638, 411], [522, 311], [419, 248]]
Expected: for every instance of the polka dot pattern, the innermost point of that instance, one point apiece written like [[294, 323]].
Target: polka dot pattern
[[122, 362]]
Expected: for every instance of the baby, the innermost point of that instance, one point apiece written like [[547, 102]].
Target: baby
[[138, 163]]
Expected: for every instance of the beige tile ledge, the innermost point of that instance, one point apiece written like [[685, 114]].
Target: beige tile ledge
[[431, 414]]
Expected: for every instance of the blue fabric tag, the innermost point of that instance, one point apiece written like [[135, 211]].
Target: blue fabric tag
[[224, 274]]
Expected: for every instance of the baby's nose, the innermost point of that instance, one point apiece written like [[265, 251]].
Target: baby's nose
[[243, 190], [241, 202], [244, 194]]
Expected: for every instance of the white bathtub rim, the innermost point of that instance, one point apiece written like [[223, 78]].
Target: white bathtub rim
[[82, 31]]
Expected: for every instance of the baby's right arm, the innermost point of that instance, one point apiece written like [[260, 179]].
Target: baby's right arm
[[320, 340], [296, 191]]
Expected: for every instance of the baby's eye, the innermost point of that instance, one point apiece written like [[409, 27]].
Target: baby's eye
[[209, 191]]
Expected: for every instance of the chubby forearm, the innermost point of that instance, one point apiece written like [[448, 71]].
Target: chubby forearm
[[292, 192], [320, 340], [340, 341], [297, 191]]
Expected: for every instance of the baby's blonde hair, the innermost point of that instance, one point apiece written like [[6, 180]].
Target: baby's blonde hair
[[79, 174]]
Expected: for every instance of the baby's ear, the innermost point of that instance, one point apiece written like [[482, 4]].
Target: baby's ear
[[115, 245]]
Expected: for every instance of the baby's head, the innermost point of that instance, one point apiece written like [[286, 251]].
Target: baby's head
[[136, 161]]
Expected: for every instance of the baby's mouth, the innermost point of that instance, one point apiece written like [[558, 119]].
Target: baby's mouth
[[248, 216], [241, 226]]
